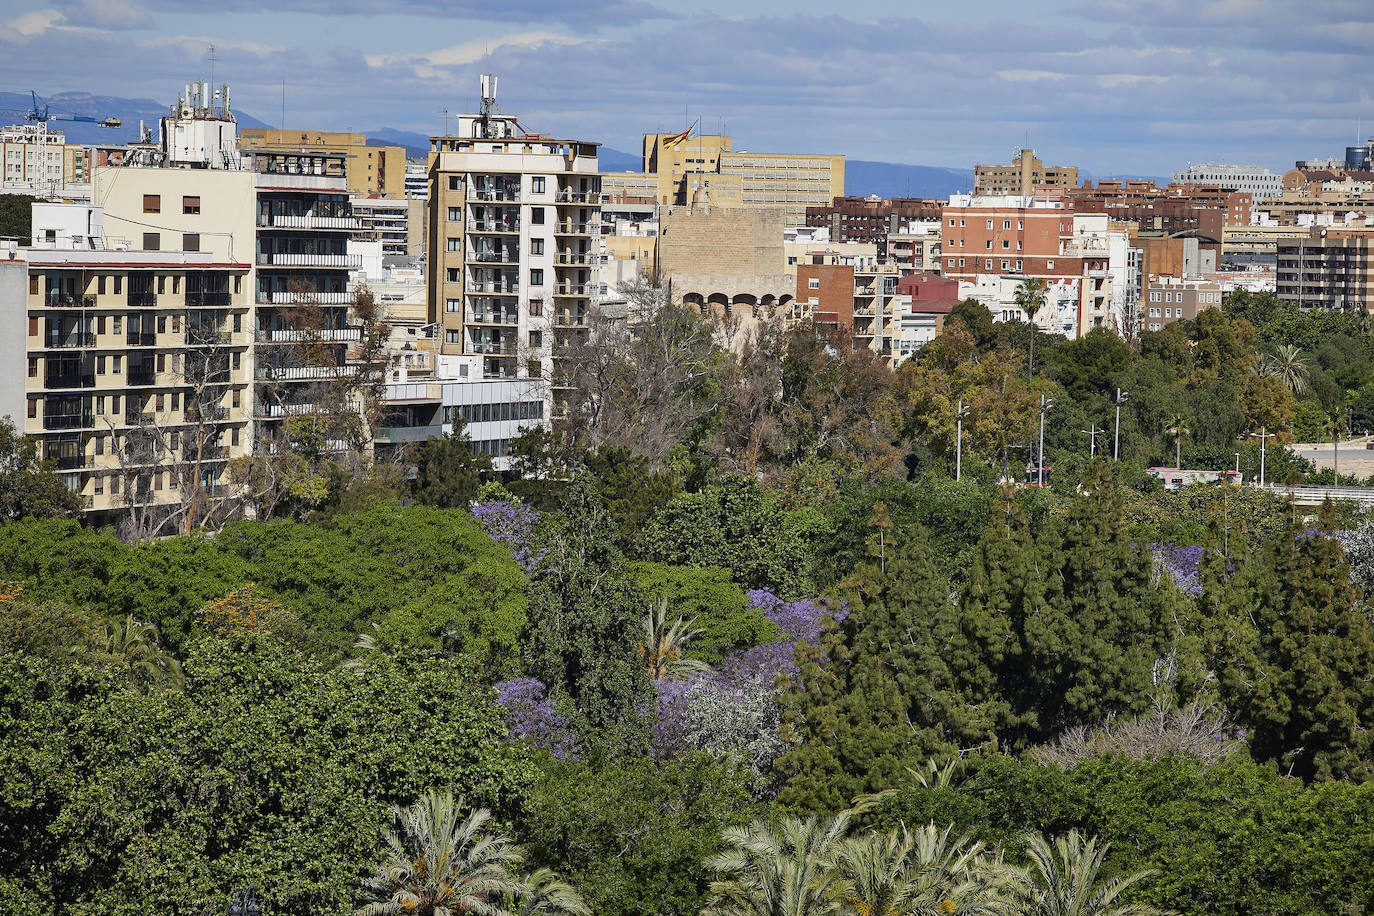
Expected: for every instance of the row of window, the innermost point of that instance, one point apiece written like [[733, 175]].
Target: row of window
[[56, 406], [152, 203], [67, 285], [987, 263], [455, 215], [1168, 312], [1155, 296], [58, 365], [491, 413]]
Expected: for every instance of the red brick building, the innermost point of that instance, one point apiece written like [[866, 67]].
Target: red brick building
[[870, 219]]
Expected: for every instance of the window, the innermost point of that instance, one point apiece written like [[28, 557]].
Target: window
[[152, 203], [961, 224], [961, 243], [33, 285], [176, 284], [453, 305], [160, 400], [452, 337], [1020, 224], [537, 216], [1049, 265], [455, 244], [951, 262], [1006, 244], [989, 224], [100, 365], [987, 263], [455, 214], [152, 241], [988, 243], [190, 204], [33, 367], [33, 408], [1005, 264], [813, 283], [190, 241], [951, 224], [961, 262], [452, 275], [1006, 224], [536, 277], [537, 184], [454, 183], [161, 326], [536, 246], [536, 339], [534, 369], [116, 367], [536, 308], [100, 286]]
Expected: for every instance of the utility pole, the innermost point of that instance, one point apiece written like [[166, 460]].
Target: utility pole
[[1121, 398], [1092, 432], [959, 415], [1045, 404]]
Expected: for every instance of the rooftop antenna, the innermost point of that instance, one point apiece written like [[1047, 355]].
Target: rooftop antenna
[[283, 107], [488, 104], [211, 55]]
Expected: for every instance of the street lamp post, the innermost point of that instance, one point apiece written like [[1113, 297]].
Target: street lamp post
[[1262, 435], [1121, 398], [1045, 404], [959, 415], [244, 902], [1092, 432]]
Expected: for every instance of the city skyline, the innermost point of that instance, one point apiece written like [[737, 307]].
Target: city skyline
[[1107, 86]]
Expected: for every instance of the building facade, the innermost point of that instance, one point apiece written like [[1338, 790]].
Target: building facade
[[1023, 177], [1259, 182], [1171, 299], [368, 170], [1329, 269]]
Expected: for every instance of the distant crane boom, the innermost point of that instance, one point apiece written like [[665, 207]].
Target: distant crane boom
[[40, 112]]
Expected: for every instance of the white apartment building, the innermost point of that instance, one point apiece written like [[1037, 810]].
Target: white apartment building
[[40, 162], [1259, 182]]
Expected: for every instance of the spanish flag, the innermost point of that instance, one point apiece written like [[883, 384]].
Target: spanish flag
[[683, 137]]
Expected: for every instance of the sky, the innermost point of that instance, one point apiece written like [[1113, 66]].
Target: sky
[[1116, 87]]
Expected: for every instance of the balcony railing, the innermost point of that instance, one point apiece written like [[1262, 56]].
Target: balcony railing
[[568, 320], [206, 414], [68, 421], [208, 299], [574, 289], [278, 297], [285, 335], [499, 289], [301, 373], [69, 380], [509, 256], [492, 348], [308, 221], [567, 196], [493, 225], [142, 377], [72, 339], [568, 228], [139, 339], [136, 417], [67, 300], [578, 258], [509, 318], [511, 194], [280, 259]]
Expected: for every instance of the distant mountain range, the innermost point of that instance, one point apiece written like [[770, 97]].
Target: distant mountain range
[[863, 178]]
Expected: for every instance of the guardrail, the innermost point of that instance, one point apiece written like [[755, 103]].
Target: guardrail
[[1315, 496]]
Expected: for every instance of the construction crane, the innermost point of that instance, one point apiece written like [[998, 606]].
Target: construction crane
[[40, 114]]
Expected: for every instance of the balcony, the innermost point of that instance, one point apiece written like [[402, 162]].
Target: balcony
[[142, 377], [580, 259], [70, 462], [509, 256], [206, 337], [494, 225], [510, 319], [496, 194], [67, 300], [569, 320], [288, 335], [570, 228], [306, 297], [135, 417], [509, 288], [493, 348], [308, 221], [138, 339], [142, 299], [568, 196], [206, 414], [208, 300], [69, 380], [395, 435], [301, 373], [68, 421], [279, 259], [71, 339]]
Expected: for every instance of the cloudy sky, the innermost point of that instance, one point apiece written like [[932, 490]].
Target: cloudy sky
[[1114, 86]]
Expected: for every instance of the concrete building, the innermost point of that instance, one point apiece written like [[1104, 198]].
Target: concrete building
[[41, 162], [1259, 182], [927, 299], [388, 221], [858, 299], [369, 171], [675, 166], [916, 248], [492, 411], [417, 179], [1332, 268], [514, 258], [1170, 299], [872, 219], [136, 376], [1023, 177]]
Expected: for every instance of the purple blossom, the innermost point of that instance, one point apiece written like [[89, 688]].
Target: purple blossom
[[800, 619], [530, 715], [1184, 564], [513, 526], [670, 725]]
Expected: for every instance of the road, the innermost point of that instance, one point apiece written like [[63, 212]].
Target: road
[[1354, 457]]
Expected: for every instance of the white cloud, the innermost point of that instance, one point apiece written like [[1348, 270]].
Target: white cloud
[[34, 23], [470, 52], [1115, 80], [1030, 76]]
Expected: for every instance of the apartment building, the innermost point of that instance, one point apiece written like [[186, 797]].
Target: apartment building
[[41, 162], [136, 375], [856, 296], [872, 219], [1331, 268], [1023, 177], [676, 166], [514, 258], [1171, 299], [1259, 182], [916, 248], [397, 224], [369, 171]]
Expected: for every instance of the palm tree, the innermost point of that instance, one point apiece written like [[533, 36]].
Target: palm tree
[[543, 893], [1063, 880], [1030, 298], [1289, 366], [1334, 427], [442, 863], [663, 645], [1178, 430], [925, 873], [132, 648], [787, 869]]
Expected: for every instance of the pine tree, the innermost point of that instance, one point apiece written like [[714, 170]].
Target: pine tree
[[878, 695], [1092, 645], [584, 623], [1297, 660]]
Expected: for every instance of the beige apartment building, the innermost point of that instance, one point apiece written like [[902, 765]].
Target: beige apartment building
[[514, 256], [1330, 268], [1171, 299], [369, 171], [137, 374], [1022, 177], [39, 161], [674, 170]]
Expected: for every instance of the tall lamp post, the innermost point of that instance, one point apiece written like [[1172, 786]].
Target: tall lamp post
[[1092, 432], [1262, 435], [1121, 398], [959, 415], [244, 902], [1045, 404]]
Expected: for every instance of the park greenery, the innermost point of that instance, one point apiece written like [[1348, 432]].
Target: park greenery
[[780, 662]]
